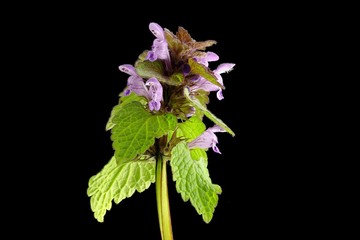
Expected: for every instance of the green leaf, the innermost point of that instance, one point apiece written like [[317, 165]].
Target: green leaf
[[205, 72], [132, 97], [191, 129], [202, 96], [198, 153], [136, 130], [147, 69], [110, 124], [122, 102], [207, 113], [193, 181], [117, 182]]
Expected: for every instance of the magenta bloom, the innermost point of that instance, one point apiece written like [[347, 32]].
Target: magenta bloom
[[152, 89], [207, 139], [159, 48]]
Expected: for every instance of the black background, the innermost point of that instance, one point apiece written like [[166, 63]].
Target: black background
[[71, 55]]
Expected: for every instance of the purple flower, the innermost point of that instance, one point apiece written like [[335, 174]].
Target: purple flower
[[202, 83], [209, 57], [152, 89], [129, 69], [222, 68], [135, 83], [207, 139], [159, 49], [155, 91]]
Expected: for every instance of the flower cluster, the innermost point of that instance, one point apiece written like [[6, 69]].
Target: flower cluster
[[174, 63]]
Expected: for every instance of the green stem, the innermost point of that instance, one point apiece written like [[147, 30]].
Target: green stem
[[162, 199]]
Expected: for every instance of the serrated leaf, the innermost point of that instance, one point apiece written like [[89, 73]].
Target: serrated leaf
[[185, 37], [117, 182], [122, 102], [136, 130], [202, 45], [110, 124], [193, 181], [207, 113], [191, 129], [203, 71], [198, 153]]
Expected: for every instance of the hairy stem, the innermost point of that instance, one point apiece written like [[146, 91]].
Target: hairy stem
[[162, 199]]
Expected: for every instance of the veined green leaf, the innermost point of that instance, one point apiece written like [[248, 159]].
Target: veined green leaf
[[207, 113], [117, 182], [205, 72], [193, 181], [136, 129], [191, 129], [198, 153], [147, 69], [122, 102], [110, 124]]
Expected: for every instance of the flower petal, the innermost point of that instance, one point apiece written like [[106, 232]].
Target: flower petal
[[224, 67], [207, 139], [159, 48], [219, 94], [204, 141], [127, 92], [155, 92], [203, 84], [216, 149], [211, 56], [216, 128], [128, 68], [155, 89], [151, 56], [154, 105], [219, 78], [157, 30], [136, 84]]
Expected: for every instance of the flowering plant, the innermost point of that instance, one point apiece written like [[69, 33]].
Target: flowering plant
[[159, 120]]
